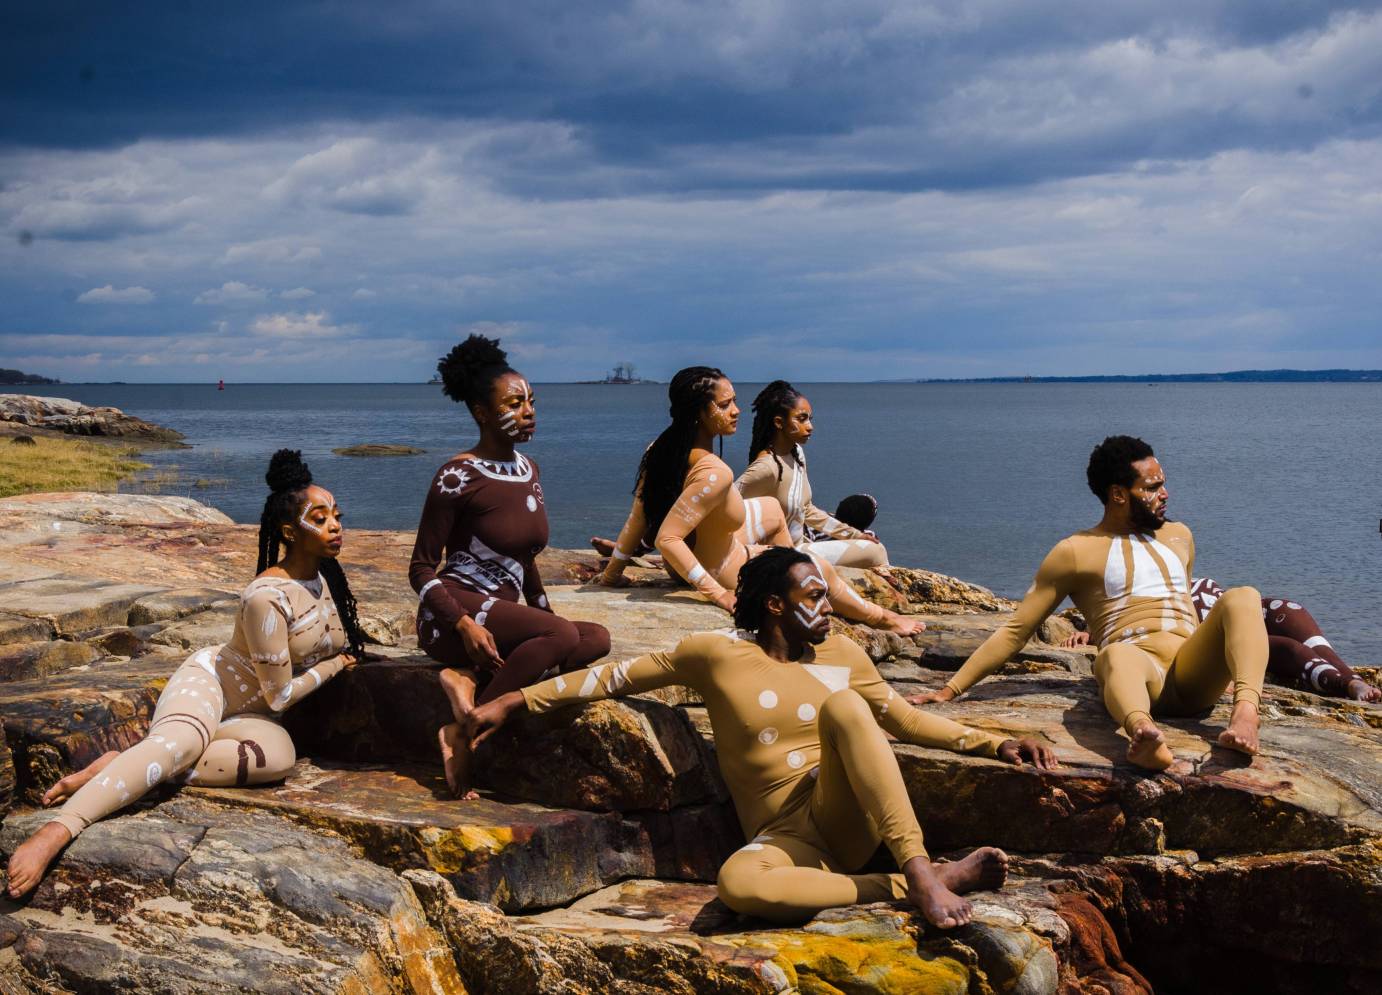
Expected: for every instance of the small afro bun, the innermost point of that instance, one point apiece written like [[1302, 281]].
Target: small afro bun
[[469, 369], [287, 471]]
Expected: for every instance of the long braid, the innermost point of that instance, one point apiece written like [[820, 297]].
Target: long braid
[[288, 478], [662, 470], [778, 398]]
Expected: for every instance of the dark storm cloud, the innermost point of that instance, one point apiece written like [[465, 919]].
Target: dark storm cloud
[[675, 97]]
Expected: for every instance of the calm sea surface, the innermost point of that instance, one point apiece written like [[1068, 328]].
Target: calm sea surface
[[1278, 481]]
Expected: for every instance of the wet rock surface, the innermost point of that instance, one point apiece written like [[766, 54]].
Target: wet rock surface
[[586, 865]]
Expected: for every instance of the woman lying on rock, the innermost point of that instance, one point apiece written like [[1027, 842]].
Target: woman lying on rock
[[683, 489], [796, 715], [483, 524], [781, 426], [215, 723]]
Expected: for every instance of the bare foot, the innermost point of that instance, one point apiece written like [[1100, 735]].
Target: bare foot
[[605, 547], [983, 870], [901, 624], [941, 906], [30, 860], [67, 787], [459, 687], [1360, 690], [455, 760], [1148, 747], [1241, 734]]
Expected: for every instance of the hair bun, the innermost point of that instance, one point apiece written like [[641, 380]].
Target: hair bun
[[460, 366], [287, 471]]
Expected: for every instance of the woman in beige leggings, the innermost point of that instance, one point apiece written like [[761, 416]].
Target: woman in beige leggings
[[684, 489], [215, 722]]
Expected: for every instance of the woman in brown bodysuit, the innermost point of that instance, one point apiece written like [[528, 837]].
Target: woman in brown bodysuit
[[483, 524], [215, 722], [683, 489]]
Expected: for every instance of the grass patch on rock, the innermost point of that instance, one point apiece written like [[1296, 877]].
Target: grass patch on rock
[[55, 464]]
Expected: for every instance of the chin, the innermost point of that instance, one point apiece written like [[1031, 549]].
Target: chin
[[815, 637]]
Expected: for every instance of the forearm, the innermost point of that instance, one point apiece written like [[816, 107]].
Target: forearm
[[604, 680], [281, 697], [679, 556]]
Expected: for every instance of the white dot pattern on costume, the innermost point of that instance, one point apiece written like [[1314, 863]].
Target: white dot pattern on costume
[[806, 712], [768, 736], [153, 774], [768, 699], [532, 503], [795, 760]]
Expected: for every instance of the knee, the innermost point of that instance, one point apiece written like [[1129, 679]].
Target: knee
[[845, 707], [740, 886], [564, 636], [1242, 599], [594, 640]]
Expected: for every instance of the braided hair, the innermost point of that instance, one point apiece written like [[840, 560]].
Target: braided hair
[[469, 370], [662, 470], [760, 578], [288, 478], [778, 398]]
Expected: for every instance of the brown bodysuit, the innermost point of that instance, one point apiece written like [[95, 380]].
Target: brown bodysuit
[[483, 524], [215, 712]]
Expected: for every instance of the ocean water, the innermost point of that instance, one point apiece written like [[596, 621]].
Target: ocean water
[[1278, 481]]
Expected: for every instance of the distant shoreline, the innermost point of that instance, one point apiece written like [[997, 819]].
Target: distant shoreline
[[1236, 376]]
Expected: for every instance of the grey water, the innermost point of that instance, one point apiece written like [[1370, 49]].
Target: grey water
[[1278, 481]]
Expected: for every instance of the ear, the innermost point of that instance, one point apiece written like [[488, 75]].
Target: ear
[[1118, 494], [478, 413], [779, 422], [775, 604], [287, 533]]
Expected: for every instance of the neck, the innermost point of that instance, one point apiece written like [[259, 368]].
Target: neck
[[783, 447], [705, 439], [774, 642], [299, 565], [1116, 520], [494, 446]]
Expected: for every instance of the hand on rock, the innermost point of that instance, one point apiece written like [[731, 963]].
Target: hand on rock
[[927, 697], [1077, 640], [1015, 751]]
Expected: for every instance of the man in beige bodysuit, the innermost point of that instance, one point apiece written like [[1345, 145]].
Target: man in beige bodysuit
[[1130, 577], [799, 717]]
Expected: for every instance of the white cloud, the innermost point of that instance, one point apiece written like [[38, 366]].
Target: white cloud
[[109, 295], [272, 250], [232, 292], [297, 294], [364, 294], [296, 325]]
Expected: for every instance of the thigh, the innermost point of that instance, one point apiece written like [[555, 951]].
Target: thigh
[[1199, 672], [848, 552], [247, 749], [1128, 663], [191, 704]]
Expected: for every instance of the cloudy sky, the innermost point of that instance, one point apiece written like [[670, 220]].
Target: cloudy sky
[[817, 190]]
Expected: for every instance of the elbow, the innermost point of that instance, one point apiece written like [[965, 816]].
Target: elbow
[[280, 700]]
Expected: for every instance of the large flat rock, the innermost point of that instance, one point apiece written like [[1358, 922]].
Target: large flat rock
[[71, 605], [513, 854], [651, 936], [217, 900]]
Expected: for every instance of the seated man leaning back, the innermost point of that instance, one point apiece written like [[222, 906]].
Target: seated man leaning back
[[1130, 577], [796, 714]]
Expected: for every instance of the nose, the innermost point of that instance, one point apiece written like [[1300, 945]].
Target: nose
[[825, 607]]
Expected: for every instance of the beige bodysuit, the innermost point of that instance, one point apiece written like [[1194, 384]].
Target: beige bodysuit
[[813, 780], [784, 479], [213, 719], [728, 529], [1134, 591]]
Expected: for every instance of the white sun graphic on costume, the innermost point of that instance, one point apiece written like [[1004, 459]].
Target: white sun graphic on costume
[[452, 480]]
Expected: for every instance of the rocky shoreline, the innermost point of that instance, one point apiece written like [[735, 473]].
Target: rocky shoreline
[[58, 415], [589, 864]]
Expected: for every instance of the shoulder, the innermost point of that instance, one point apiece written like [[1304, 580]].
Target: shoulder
[[759, 469], [712, 470], [1175, 530], [453, 477], [267, 592], [840, 650]]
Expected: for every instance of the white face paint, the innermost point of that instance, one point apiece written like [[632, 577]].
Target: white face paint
[[813, 619], [308, 506]]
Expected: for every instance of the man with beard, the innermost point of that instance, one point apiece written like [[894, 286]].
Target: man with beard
[[796, 714], [1130, 577]]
